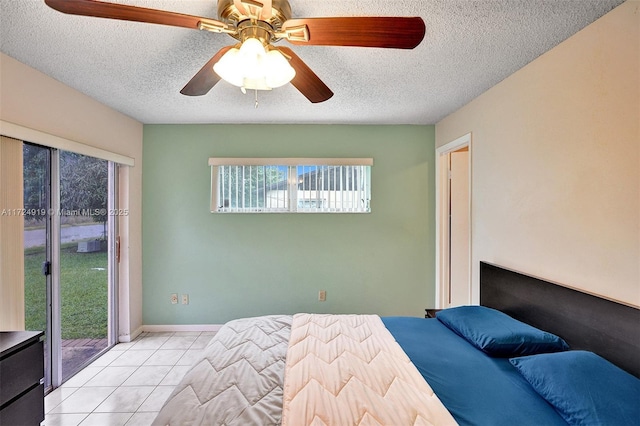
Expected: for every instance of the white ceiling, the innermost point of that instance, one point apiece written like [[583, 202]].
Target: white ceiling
[[139, 69]]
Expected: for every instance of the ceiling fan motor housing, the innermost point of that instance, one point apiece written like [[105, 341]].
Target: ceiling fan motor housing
[[263, 29]]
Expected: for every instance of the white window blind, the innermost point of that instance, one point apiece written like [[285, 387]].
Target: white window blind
[[278, 185]]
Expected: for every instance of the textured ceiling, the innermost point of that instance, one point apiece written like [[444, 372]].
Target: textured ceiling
[[139, 69]]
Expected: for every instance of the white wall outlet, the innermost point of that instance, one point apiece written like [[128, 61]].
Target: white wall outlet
[[174, 298], [322, 295], [185, 299]]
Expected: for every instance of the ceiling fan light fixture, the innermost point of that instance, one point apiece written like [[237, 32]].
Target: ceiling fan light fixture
[[279, 71], [226, 67], [252, 67]]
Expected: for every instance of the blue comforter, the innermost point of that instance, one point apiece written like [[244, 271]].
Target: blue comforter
[[475, 388]]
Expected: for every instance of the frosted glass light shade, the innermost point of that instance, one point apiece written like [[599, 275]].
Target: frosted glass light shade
[[226, 67], [279, 72], [252, 67]]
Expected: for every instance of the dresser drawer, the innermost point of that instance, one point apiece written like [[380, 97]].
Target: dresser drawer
[[25, 411], [20, 371]]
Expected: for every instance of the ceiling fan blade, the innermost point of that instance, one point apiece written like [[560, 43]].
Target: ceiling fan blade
[[206, 78], [306, 81], [124, 12], [387, 32]]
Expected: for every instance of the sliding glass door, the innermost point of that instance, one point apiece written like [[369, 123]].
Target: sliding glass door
[[69, 256]]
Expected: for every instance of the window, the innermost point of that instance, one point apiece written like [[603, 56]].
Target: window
[[280, 185]]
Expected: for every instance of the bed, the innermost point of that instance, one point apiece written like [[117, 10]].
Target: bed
[[579, 364]]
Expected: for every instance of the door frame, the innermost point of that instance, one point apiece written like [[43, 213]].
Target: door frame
[[442, 218], [55, 324], [113, 237]]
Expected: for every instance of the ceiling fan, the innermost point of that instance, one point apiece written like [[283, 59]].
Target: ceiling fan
[[254, 62]]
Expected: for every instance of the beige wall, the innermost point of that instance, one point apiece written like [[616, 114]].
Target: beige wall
[[33, 100], [11, 235], [556, 162]]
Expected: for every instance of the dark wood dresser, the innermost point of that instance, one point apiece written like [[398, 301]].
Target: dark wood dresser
[[21, 370]]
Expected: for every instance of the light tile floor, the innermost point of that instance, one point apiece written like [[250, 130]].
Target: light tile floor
[[128, 384]]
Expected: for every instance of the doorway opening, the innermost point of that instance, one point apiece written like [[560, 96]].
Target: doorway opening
[[453, 223]]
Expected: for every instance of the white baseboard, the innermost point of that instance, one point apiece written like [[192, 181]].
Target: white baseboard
[[181, 327], [124, 338]]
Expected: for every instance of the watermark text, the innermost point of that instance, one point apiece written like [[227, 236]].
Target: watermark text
[[64, 212]]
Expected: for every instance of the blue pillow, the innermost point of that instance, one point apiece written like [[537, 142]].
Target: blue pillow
[[583, 387], [497, 334]]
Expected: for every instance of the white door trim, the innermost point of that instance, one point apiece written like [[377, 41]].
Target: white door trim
[[442, 214]]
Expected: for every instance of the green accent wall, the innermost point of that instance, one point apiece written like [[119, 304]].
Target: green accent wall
[[240, 265]]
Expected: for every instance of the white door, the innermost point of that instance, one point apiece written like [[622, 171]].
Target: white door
[[459, 283]]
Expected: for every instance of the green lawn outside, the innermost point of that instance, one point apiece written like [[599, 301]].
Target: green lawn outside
[[83, 278]]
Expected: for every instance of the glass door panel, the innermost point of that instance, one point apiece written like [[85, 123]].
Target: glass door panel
[[84, 263]]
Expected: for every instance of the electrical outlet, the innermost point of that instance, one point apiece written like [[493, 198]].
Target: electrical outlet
[[174, 298], [185, 299], [322, 295]]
